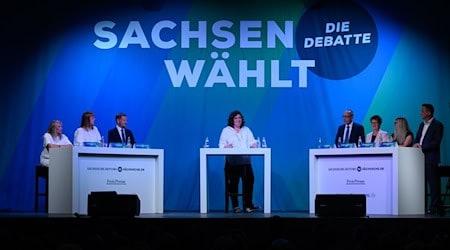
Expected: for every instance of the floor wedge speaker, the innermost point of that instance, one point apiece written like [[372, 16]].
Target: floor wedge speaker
[[112, 204], [340, 205]]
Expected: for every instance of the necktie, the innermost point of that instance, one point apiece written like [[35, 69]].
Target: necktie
[[346, 134], [123, 136]]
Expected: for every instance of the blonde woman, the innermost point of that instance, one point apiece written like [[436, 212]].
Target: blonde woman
[[53, 138], [402, 133]]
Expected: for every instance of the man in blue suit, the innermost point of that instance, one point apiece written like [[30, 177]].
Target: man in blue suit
[[428, 138], [120, 133], [350, 131]]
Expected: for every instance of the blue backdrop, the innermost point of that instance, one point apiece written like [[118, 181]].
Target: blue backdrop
[[178, 69]]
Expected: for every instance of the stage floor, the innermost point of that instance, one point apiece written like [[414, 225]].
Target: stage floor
[[182, 230]]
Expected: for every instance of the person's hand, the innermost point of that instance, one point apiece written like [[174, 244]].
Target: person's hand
[[228, 146], [417, 145]]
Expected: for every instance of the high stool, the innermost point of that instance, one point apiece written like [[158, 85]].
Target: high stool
[[228, 194], [40, 173]]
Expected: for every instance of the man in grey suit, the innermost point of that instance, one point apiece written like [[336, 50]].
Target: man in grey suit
[[428, 138]]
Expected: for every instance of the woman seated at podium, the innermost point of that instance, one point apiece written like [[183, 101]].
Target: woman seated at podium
[[377, 135], [53, 138], [402, 133], [87, 132]]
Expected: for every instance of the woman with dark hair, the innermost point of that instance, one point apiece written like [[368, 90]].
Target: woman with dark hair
[[53, 138], [237, 135], [377, 135], [87, 132]]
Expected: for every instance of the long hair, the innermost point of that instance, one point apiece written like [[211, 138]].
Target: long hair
[[52, 128], [401, 129], [85, 120], [231, 117]]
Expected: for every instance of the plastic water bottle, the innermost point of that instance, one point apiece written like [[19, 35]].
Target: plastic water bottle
[[319, 143], [339, 142], [258, 142], [264, 143], [206, 144], [128, 142], [359, 141], [102, 141]]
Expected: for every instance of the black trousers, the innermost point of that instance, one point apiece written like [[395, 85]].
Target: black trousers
[[233, 174], [434, 184]]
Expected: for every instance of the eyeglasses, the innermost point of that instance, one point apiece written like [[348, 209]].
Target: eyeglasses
[[346, 116]]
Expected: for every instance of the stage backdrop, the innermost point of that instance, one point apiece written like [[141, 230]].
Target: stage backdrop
[[178, 69]]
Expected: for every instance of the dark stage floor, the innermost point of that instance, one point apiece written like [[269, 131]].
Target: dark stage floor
[[219, 230]]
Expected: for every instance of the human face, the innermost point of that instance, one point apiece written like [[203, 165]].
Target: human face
[[92, 120], [425, 114], [237, 121], [375, 125], [122, 121], [347, 117], [58, 128]]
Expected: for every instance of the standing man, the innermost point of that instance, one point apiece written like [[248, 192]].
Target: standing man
[[120, 133], [350, 131], [428, 138]]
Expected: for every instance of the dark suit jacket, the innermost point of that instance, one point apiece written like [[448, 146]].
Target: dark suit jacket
[[357, 131], [114, 136], [431, 144]]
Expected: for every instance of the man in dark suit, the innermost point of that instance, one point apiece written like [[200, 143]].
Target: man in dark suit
[[428, 138], [120, 133], [350, 131]]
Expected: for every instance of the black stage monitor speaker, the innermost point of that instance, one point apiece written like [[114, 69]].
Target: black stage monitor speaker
[[109, 203], [340, 205]]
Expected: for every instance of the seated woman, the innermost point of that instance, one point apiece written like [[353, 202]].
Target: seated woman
[[402, 133], [377, 135], [53, 138]]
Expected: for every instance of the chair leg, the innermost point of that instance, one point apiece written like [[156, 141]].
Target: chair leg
[[36, 189], [46, 192], [41, 172]]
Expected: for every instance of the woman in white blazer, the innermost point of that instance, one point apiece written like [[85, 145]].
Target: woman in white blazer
[[377, 135]]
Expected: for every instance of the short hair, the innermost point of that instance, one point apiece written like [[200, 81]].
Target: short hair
[[349, 111], [119, 115], [377, 118], [429, 107], [231, 117]]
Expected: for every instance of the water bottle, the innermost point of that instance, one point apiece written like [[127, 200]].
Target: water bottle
[[359, 141], [128, 142], [206, 144], [319, 144], [102, 141], [258, 142], [339, 142], [264, 143]]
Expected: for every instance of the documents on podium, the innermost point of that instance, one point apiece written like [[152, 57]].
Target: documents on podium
[[392, 178], [76, 172], [205, 152]]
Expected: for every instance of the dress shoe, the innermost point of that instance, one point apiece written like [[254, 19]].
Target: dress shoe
[[236, 210], [254, 207], [248, 210]]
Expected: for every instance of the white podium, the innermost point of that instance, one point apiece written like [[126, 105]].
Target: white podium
[[392, 178], [205, 152], [76, 172]]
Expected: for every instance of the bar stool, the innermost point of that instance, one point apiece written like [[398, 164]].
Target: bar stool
[[40, 173]]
